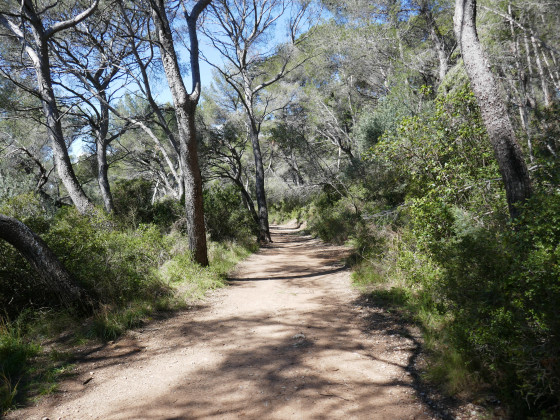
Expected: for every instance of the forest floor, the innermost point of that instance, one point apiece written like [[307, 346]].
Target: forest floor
[[289, 339]]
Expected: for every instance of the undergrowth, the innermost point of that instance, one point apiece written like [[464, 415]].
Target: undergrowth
[[134, 267], [429, 225]]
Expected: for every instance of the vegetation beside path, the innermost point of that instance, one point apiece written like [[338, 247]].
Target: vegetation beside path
[[423, 133], [135, 265]]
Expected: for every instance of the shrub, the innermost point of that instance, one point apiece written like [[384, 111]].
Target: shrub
[[115, 266], [486, 291], [226, 216], [333, 216], [133, 201]]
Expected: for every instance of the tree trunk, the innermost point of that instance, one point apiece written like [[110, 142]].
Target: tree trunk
[[102, 166], [194, 203], [544, 84], [521, 79], [264, 229], [437, 40], [493, 110], [55, 277], [185, 108], [247, 200]]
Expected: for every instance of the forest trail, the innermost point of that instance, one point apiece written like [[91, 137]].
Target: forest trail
[[288, 340]]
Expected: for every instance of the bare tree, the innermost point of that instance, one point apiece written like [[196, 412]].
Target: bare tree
[[33, 31], [493, 110], [143, 48], [250, 67], [95, 51]]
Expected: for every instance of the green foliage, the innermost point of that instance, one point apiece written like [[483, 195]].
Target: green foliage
[[382, 120], [290, 207], [111, 322], [484, 290], [133, 201], [546, 145], [166, 212], [115, 266], [443, 155], [15, 352], [332, 216], [487, 298], [226, 216]]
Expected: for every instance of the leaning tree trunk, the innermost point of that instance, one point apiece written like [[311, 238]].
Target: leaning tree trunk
[[493, 110], [247, 200], [54, 129], [53, 274], [264, 228], [38, 52]]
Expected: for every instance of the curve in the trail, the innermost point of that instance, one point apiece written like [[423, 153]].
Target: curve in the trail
[[285, 341]]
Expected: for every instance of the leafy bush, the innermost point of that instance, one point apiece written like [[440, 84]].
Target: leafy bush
[[226, 216], [115, 266], [445, 156], [290, 207], [485, 291], [331, 217]]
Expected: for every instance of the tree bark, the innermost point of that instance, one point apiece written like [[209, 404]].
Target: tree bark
[[544, 84], [185, 109], [493, 110], [264, 228], [55, 277], [101, 153]]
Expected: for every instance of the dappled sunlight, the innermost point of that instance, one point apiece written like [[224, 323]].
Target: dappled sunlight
[[287, 341]]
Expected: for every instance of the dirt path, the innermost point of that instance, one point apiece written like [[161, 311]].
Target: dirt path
[[287, 340]]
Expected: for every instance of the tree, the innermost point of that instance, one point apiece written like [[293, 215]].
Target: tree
[[33, 31], [185, 110], [242, 39], [95, 51], [56, 279], [426, 9], [225, 139], [143, 50], [493, 110]]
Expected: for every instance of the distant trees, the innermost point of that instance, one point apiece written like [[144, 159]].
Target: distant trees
[[316, 94], [251, 66], [99, 49]]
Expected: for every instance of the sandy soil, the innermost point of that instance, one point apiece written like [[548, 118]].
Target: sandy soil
[[290, 339]]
